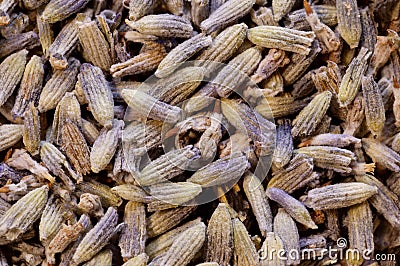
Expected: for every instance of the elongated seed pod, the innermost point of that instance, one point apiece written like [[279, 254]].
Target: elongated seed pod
[[138, 9], [329, 139], [339, 195], [281, 106], [21, 216], [57, 10], [281, 8], [297, 19], [298, 174], [162, 25], [267, 67], [133, 236], [97, 93], [147, 106], [267, 255], [284, 144], [90, 131], [10, 134], [46, 35], [226, 14], [200, 11], [349, 22], [102, 258], [11, 72], [161, 221], [259, 202], [381, 154], [31, 137], [107, 197], [175, 193], [51, 220], [105, 146], [26, 40], [132, 193], [244, 252], [97, 238], [385, 201], [185, 246], [31, 86], [351, 80], [285, 227], [181, 53], [295, 208], [139, 260], [369, 31], [374, 108], [60, 82], [311, 116], [282, 38]]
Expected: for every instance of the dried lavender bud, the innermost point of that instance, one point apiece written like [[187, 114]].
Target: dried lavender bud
[[329, 139], [175, 193], [10, 135], [90, 131], [57, 10], [272, 242], [244, 252], [284, 144], [107, 197], [369, 31], [381, 154], [349, 22], [31, 136], [51, 220], [46, 35]]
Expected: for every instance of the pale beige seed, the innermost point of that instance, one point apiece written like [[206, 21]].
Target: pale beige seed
[[200, 11], [46, 35], [133, 236], [339, 195], [329, 139], [381, 154], [295, 208], [90, 131], [175, 193], [226, 14], [267, 255], [10, 135], [138, 9], [102, 258], [282, 38], [31, 136], [244, 252], [107, 197], [97, 93], [281, 106], [51, 220], [139, 260], [297, 19], [105, 146], [58, 10], [11, 72], [281, 8], [374, 108], [31, 86], [349, 23], [133, 193], [284, 144]]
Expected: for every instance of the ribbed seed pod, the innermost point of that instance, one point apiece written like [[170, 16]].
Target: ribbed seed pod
[[103, 258], [374, 108], [329, 139], [75, 147], [162, 25], [57, 10], [281, 8], [97, 238], [200, 11], [94, 45], [268, 66], [348, 17], [259, 202], [31, 136], [162, 243], [263, 16], [267, 255], [326, 13], [4, 206], [21, 216], [132, 193], [51, 220], [360, 225], [286, 229], [90, 131], [107, 197], [60, 82], [244, 252], [369, 31], [139, 260], [311, 116], [161, 221], [46, 35], [185, 246], [298, 174], [10, 134], [295, 208], [236, 72], [281, 106], [105, 146], [333, 158], [133, 236], [27, 40], [385, 201], [226, 14], [65, 42], [97, 93], [181, 53], [282, 38], [339, 195], [11, 72], [351, 80], [31, 86], [381, 154], [138, 9], [284, 144], [175, 193], [225, 170]]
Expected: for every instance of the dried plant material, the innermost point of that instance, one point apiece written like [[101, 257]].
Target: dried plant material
[[46, 35], [90, 131], [381, 154], [297, 175], [175, 193], [396, 143], [11, 72], [208, 264], [200, 11], [349, 23], [102, 258], [98, 94], [31, 132], [139, 260], [215, 4], [107, 197], [329, 139], [6, 7], [263, 16], [162, 25], [295, 208], [21, 216], [11, 134], [326, 13], [311, 116], [271, 62], [384, 46], [369, 30], [259, 202], [26, 40], [138, 9], [51, 220], [226, 14], [281, 8], [271, 242], [244, 252], [355, 116], [132, 193], [339, 195], [285, 227], [280, 106], [284, 144], [57, 10], [90, 204], [282, 38], [31, 86]]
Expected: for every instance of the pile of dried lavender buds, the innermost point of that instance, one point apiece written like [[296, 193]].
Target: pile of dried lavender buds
[[199, 132]]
